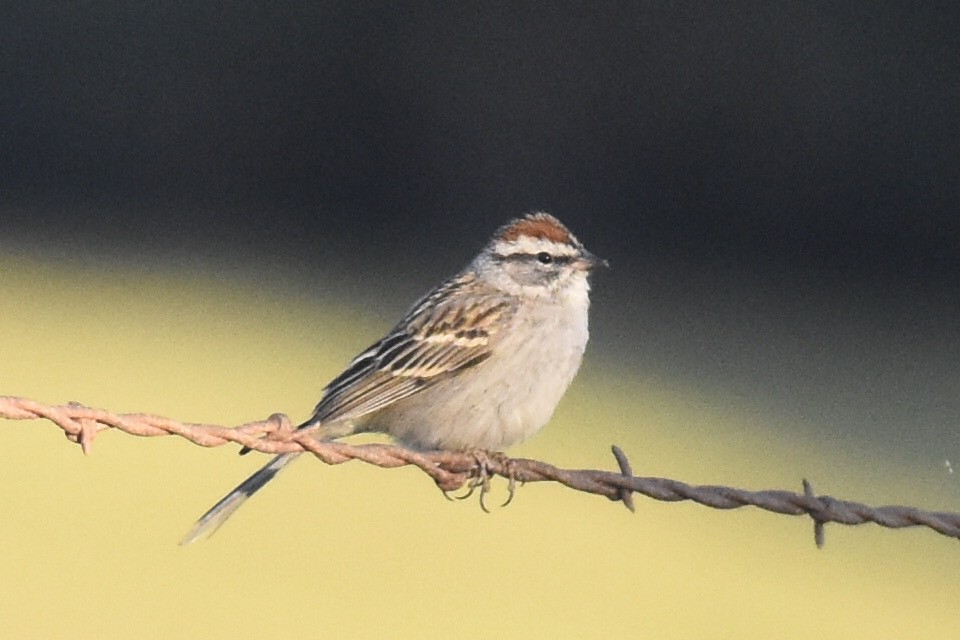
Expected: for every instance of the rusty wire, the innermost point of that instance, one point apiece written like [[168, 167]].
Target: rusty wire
[[451, 470]]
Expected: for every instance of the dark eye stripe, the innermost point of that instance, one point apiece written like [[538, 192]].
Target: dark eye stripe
[[531, 257]]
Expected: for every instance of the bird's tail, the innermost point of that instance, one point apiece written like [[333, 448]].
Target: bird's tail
[[218, 513]]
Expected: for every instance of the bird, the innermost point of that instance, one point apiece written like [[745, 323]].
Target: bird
[[477, 364]]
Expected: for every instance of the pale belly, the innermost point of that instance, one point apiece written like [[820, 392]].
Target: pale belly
[[500, 402]]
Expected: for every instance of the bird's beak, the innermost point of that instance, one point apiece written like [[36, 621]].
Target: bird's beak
[[589, 262]]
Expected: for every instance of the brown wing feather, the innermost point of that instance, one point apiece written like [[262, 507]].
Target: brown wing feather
[[441, 336]]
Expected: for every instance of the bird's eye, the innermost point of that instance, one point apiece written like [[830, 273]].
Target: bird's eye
[[544, 258]]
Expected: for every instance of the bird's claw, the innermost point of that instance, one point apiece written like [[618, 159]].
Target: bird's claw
[[483, 473]]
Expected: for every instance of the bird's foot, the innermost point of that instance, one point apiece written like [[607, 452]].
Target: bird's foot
[[483, 472]]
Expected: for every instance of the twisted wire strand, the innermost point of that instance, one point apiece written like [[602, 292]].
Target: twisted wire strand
[[451, 470]]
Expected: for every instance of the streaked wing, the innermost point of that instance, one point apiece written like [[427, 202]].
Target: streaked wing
[[444, 334]]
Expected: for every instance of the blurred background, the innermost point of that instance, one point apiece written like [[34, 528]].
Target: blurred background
[[206, 210]]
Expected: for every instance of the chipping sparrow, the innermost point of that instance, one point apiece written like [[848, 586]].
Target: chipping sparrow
[[480, 362]]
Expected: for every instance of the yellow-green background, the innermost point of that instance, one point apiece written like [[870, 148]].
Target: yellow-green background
[[88, 545]]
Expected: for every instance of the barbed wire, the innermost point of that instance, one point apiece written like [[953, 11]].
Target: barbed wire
[[452, 470]]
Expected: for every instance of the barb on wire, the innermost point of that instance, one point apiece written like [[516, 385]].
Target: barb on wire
[[451, 470]]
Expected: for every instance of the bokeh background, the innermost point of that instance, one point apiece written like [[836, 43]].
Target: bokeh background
[[206, 209]]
